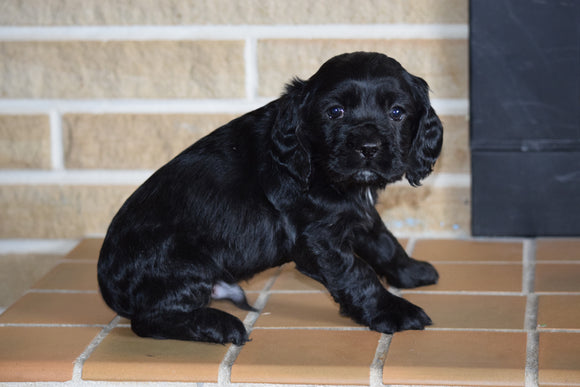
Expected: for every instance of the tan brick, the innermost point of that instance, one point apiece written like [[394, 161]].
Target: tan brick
[[132, 141], [58, 211], [74, 211], [24, 141], [168, 12], [202, 69], [442, 63], [147, 141], [455, 155], [426, 209]]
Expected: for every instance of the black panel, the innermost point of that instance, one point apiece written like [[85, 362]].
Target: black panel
[[526, 194], [525, 74], [525, 117]]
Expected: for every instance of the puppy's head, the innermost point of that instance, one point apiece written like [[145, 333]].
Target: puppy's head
[[363, 120]]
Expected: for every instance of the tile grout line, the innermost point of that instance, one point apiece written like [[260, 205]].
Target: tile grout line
[[531, 316], [362, 328], [225, 368], [556, 293], [558, 262], [558, 330], [313, 328], [529, 265], [80, 361], [465, 292], [49, 325], [505, 330], [61, 291], [532, 363], [376, 369], [411, 242]]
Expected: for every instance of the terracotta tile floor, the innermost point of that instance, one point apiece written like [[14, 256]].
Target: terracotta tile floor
[[505, 313]]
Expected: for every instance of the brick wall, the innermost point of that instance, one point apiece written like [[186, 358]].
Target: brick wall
[[96, 94]]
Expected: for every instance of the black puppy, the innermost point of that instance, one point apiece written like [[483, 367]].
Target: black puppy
[[295, 180]]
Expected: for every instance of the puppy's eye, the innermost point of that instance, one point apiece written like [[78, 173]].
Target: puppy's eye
[[335, 112], [396, 113]]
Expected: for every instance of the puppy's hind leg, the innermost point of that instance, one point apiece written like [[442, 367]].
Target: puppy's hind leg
[[204, 324], [180, 311]]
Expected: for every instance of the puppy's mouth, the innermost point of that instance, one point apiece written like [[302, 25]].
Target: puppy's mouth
[[366, 176], [373, 177], [376, 172]]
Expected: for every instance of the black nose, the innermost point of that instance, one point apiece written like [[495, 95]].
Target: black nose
[[369, 150]]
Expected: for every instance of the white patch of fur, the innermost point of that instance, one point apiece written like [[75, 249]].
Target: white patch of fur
[[369, 196], [224, 291]]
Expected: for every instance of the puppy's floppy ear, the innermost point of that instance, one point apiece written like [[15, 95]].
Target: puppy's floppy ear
[[290, 150], [428, 138]]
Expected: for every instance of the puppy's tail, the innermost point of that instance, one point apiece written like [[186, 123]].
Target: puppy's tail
[[233, 292]]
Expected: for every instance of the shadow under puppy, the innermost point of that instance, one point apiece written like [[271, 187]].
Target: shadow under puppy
[[295, 180]]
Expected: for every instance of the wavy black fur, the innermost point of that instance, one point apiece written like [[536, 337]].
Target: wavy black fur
[[295, 180]]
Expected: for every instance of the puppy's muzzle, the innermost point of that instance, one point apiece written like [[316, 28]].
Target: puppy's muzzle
[[365, 141]]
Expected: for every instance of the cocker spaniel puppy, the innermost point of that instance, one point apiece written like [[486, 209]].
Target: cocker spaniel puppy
[[295, 180]]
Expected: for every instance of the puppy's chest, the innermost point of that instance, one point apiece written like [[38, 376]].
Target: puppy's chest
[[364, 215], [354, 212]]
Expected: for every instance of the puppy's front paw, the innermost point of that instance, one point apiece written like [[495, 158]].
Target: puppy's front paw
[[398, 314], [413, 273]]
